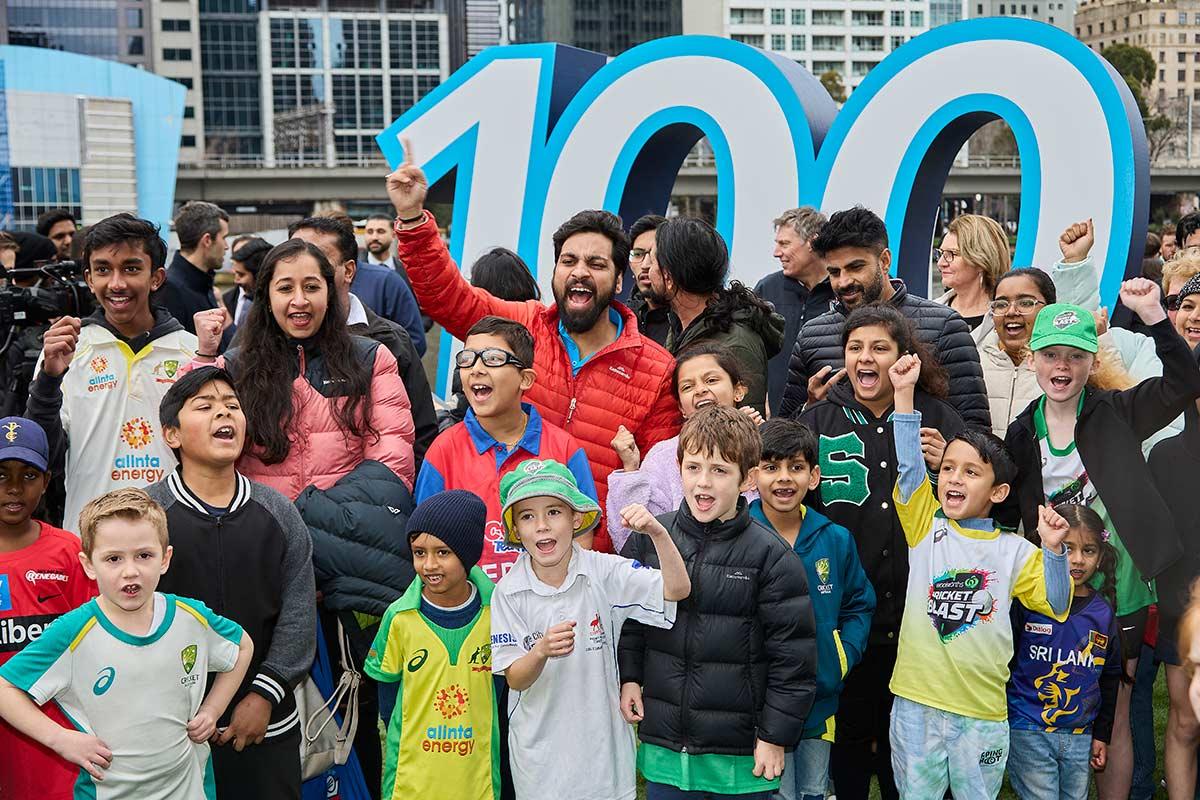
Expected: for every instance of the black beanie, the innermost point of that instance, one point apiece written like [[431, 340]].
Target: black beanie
[[458, 518]]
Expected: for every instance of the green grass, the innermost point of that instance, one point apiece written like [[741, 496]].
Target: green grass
[[1160, 726]]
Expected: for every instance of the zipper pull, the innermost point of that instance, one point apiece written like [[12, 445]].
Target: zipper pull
[[571, 410]]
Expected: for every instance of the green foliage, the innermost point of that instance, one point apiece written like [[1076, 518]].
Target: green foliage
[[832, 81]]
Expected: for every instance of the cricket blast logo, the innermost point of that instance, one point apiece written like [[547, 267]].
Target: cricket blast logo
[[958, 600]]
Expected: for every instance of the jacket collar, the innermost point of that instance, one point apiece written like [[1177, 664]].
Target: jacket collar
[[531, 440], [241, 495], [811, 524], [629, 336], [716, 529], [191, 276], [164, 323], [521, 577]]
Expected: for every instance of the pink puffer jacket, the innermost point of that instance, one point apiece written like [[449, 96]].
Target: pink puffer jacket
[[321, 452]]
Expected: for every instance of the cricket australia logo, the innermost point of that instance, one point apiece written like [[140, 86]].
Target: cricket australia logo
[[958, 601], [822, 565], [187, 657]]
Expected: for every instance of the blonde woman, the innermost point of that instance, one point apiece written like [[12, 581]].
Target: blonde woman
[[973, 256]]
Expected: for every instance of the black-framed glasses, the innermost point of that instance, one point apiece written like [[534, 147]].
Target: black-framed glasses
[[638, 253], [492, 357], [1173, 302], [1024, 305], [948, 253]]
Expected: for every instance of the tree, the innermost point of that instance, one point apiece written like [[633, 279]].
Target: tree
[[1137, 67], [832, 81]]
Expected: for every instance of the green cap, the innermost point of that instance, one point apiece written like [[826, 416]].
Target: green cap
[[534, 478], [1063, 323]]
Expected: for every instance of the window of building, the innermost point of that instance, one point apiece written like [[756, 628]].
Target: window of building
[[1183, 18], [827, 17], [39, 189], [916, 19], [799, 41], [1162, 57], [355, 44], [979, 10], [778, 16], [187, 141], [1196, 57], [829, 42], [133, 17], [1162, 18], [821, 67], [799, 16], [1089, 30], [867, 44], [897, 41], [136, 46], [1035, 10], [1182, 57], [745, 16], [866, 18], [1051, 19], [186, 82], [189, 112], [176, 53], [1183, 38], [177, 25], [1181, 75], [860, 68], [1101, 23], [752, 39], [898, 19], [778, 41]]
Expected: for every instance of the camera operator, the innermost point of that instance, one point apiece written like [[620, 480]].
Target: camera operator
[[20, 339], [100, 380]]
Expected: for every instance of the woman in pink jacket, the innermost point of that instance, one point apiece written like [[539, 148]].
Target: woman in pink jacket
[[318, 401]]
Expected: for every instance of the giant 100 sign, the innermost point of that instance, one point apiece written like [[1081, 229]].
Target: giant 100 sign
[[538, 132]]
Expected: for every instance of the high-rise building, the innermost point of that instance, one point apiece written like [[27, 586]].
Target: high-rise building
[[848, 37], [1059, 13], [1170, 31], [603, 26], [229, 60], [473, 26], [117, 30]]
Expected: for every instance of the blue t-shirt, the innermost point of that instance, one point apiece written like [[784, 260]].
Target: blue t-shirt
[[1055, 684]]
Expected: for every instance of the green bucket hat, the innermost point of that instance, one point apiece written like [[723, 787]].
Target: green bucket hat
[[1063, 323], [535, 478]]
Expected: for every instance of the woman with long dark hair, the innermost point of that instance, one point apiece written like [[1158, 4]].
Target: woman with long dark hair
[[318, 401]]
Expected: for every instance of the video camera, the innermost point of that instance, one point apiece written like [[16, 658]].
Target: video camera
[[59, 291]]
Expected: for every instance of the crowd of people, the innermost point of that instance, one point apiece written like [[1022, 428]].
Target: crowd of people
[[774, 543]]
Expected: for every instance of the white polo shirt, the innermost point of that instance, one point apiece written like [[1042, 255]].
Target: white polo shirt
[[566, 735]]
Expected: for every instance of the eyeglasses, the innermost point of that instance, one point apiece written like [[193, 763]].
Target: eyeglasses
[[949, 254], [637, 254], [492, 357], [1173, 302], [1024, 305]]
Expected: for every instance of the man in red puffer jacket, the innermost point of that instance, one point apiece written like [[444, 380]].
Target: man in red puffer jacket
[[595, 371]]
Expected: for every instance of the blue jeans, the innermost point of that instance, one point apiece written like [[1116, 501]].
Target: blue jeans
[[1049, 766], [805, 771], [664, 791]]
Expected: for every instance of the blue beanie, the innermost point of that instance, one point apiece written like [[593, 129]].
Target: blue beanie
[[457, 517]]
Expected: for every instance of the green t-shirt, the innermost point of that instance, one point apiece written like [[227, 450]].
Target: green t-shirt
[[1066, 480], [710, 772]]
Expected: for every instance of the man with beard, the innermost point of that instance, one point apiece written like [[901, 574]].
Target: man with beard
[[596, 371], [650, 307], [854, 246]]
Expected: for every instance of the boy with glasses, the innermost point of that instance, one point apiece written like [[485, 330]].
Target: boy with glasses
[[498, 433]]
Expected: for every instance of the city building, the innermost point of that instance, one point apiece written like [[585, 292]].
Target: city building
[[603, 26], [848, 37], [1059, 14], [473, 26], [94, 136], [1170, 31]]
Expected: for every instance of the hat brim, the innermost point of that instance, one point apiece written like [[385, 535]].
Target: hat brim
[[25, 456], [1067, 339], [578, 502]]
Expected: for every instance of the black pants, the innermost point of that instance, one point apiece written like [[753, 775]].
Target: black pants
[[862, 748], [267, 771]]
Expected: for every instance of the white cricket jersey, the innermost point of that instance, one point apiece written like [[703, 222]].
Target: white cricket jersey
[[568, 724], [137, 693]]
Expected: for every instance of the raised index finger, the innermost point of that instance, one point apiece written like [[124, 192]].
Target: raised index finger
[[406, 143]]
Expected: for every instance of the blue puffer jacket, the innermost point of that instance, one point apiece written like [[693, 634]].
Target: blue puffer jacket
[[842, 602], [360, 558]]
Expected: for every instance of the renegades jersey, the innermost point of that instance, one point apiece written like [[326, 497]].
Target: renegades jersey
[[38, 584]]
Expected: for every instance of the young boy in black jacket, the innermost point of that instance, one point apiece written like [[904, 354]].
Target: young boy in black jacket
[[724, 692], [242, 548]]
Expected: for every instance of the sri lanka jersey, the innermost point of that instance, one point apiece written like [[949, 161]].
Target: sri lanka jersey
[[1055, 682]]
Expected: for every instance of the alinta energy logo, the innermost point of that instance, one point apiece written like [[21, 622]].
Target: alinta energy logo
[[137, 433], [452, 702], [101, 379]]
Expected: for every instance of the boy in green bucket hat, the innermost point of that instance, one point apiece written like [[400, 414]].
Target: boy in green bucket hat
[[556, 616]]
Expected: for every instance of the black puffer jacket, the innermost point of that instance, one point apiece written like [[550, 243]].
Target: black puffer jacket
[[740, 662], [360, 557], [820, 344]]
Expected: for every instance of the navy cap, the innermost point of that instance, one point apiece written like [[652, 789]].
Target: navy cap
[[24, 440]]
